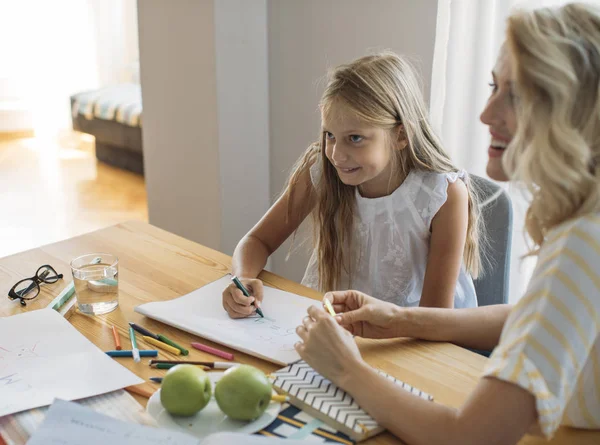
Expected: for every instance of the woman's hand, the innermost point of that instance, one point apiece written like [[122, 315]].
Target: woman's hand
[[365, 316], [327, 347], [237, 304]]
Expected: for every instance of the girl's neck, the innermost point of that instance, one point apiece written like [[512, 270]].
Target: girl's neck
[[382, 185]]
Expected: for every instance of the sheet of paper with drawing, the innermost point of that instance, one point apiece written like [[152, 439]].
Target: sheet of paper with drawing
[[201, 313], [69, 423], [43, 357]]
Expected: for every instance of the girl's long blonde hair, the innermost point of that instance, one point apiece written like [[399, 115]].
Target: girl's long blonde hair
[[556, 148], [383, 91]]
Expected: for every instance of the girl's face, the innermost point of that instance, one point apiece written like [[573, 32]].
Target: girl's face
[[499, 114], [360, 153]]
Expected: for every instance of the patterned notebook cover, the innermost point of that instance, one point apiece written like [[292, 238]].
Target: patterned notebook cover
[[316, 395]]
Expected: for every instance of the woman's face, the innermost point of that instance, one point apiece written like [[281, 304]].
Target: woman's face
[[499, 114]]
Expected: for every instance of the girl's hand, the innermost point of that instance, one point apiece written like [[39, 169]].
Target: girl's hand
[[327, 347], [365, 316], [237, 304]]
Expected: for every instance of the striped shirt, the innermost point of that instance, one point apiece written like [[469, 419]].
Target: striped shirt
[[550, 344]]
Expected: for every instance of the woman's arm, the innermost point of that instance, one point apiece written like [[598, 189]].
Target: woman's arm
[[496, 413], [365, 316], [446, 248]]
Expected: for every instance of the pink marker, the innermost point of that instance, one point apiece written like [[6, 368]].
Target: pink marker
[[213, 351]]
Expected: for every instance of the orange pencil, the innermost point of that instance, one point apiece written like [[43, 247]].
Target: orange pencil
[[116, 337], [140, 390]]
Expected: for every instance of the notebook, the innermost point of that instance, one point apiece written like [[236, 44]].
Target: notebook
[[201, 313], [320, 398]]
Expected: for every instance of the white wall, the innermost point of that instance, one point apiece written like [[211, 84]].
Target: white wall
[[204, 87], [305, 39]]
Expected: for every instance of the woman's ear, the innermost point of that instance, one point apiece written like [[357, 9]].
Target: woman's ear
[[401, 137]]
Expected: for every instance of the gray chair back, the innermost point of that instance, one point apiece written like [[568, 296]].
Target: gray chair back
[[493, 286]]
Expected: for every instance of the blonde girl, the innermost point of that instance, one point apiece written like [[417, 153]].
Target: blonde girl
[[392, 215], [544, 120]]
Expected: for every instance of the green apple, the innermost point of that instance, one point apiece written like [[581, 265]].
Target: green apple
[[185, 390], [243, 393]]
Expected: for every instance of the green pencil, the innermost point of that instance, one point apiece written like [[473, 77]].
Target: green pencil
[[172, 343]]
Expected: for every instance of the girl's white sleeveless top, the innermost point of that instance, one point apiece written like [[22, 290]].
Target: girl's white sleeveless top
[[392, 241]]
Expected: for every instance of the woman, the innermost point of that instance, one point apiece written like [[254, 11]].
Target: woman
[[544, 120]]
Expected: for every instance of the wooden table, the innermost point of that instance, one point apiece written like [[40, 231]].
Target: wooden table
[[155, 265]]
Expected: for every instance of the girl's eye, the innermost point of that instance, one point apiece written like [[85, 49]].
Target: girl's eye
[[355, 138], [329, 136], [493, 86]]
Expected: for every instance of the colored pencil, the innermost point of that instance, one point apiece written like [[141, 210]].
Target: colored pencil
[[140, 391], [129, 353], [64, 296], [173, 344], [241, 287], [161, 345], [212, 365], [171, 365], [134, 347], [329, 307], [213, 351], [143, 331], [117, 340]]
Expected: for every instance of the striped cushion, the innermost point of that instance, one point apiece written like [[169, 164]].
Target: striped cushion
[[121, 103]]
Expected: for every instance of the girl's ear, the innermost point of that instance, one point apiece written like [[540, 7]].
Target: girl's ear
[[401, 138]]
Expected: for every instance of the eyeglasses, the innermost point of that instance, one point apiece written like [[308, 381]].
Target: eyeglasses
[[29, 288]]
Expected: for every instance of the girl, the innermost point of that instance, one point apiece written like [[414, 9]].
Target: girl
[[392, 215], [544, 372]]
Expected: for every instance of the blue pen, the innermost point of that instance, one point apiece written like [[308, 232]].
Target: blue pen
[[129, 353]]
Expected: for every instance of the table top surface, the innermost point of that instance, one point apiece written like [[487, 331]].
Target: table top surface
[[155, 265]]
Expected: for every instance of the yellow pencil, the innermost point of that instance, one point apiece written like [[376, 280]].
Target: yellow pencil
[[329, 307], [160, 344], [282, 398]]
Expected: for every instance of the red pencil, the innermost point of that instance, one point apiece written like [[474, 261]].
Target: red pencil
[[213, 351], [116, 337]]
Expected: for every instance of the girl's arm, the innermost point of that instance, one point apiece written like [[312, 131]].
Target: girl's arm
[[446, 249], [251, 254]]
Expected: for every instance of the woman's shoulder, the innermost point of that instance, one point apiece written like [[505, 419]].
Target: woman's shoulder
[[581, 233]]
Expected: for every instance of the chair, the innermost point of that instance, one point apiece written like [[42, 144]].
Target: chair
[[492, 287]]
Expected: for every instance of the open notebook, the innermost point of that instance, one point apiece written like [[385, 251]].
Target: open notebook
[[314, 394], [201, 313]]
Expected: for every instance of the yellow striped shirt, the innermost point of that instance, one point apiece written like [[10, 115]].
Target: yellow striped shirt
[[550, 344]]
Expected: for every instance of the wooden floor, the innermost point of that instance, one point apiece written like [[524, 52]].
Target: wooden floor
[[52, 189]]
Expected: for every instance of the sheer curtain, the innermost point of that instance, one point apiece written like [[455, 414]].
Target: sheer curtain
[[56, 48], [469, 35]]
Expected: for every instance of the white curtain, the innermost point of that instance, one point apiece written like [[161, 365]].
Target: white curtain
[[57, 48], [469, 35]]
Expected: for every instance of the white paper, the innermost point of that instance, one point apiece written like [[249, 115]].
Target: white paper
[[68, 423], [43, 357], [201, 312], [17, 428]]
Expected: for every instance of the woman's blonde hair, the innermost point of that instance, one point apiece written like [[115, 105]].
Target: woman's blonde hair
[[383, 91], [556, 148]]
